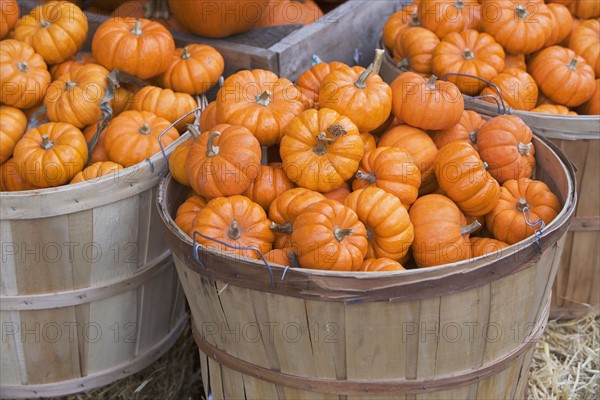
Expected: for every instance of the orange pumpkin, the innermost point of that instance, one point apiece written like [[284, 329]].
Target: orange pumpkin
[[505, 144], [406, 17], [380, 265], [99, 151], [328, 235], [166, 104], [215, 165], [237, 221], [9, 16], [553, 109], [270, 182], [585, 42], [369, 142], [139, 47], [309, 82], [421, 148], [416, 99], [179, 156], [507, 222], [281, 257], [133, 136], [56, 30], [471, 53], [208, 117], [517, 87], [286, 12], [187, 212], [76, 96], [561, 20], [391, 169], [585, 8], [515, 61], [320, 150], [11, 177], [148, 9], [96, 170], [13, 123], [194, 69], [389, 230], [24, 76], [592, 106], [447, 16], [562, 76], [338, 194], [465, 131], [121, 100], [51, 154], [58, 70], [260, 101], [463, 177], [483, 246], [413, 50], [441, 231]]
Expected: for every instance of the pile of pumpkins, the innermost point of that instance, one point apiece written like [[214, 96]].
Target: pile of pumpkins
[[341, 171], [541, 57], [67, 94]]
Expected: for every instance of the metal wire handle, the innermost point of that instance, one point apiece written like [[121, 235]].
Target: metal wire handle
[[196, 247], [503, 110], [538, 232]]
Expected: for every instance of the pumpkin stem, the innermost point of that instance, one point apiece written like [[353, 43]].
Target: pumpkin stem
[[285, 228], [521, 11], [44, 23], [46, 143], [468, 54], [524, 149], [340, 234], [264, 155], [23, 66], [373, 68], [572, 65], [264, 99], [145, 129], [186, 53], [522, 204], [459, 4], [403, 64], [430, 84], [137, 29], [234, 231], [211, 149], [370, 177], [70, 85], [415, 20], [322, 139], [472, 227], [293, 260], [473, 136]]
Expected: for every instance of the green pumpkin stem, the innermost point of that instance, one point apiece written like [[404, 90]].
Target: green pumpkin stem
[[145, 129], [46, 143], [234, 231], [572, 65], [430, 84], [524, 149], [186, 54], [340, 234], [522, 204], [137, 29], [264, 99], [472, 227], [44, 23], [371, 69], [285, 228], [370, 177], [468, 54], [211, 149], [521, 11], [23, 66]]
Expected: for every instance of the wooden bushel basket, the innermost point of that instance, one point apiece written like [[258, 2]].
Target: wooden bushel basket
[[88, 292], [465, 330]]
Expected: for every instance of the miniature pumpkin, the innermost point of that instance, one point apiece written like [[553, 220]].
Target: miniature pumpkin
[[413, 50], [507, 222], [309, 82], [483, 246], [320, 150], [561, 20], [338, 194], [416, 100], [585, 42], [286, 12], [179, 155], [51, 154], [406, 17], [519, 90], [328, 235], [56, 30], [592, 106], [279, 256], [58, 70], [121, 100], [133, 136], [237, 221], [148, 9], [215, 165], [187, 212], [380, 265], [11, 177], [9, 16], [13, 123], [463, 177], [270, 182], [553, 109], [515, 61], [391, 169], [585, 8], [166, 104], [505, 144], [389, 230], [358, 93], [369, 142], [140, 47], [24, 76], [260, 101], [447, 16], [76, 96], [465, 131], [96, 170], [208, 117], [284, 210], [193, 69], [562, 76], [441, 231], [99, 151]]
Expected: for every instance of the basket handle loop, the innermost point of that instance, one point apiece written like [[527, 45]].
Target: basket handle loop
[[538, 232], [501, 110], [196, 252]]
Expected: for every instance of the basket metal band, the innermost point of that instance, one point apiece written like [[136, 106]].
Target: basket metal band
[[380, 387]]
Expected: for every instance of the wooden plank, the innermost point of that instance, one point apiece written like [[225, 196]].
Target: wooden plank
[[156, 237], [12, 368], [502, 385], [204, 372], [428, 331], [80, 238], [216, 380], [233, 383], [9, 254]]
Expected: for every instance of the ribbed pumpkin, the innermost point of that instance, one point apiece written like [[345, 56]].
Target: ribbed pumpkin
[[13, 123], [260, 101], [463, 177], [11, 177], [406, 17], [585, 8], [194, 69], [585, 42], [237, 221], [413, 49], [24, 76], [338, 194], [76, 96], [56, 30], [215, 165], [99, 151], [483, 246], [391, 169], [389, 230], [286, 12], [471, 53], [592, 106], [187, 212], [328, 235], [380, 265], [561, 20], [166, 104], [505, 144], [421, 148], [279, 256], [9, 16], [179, 155], [309, 82], [140, 47], [446, 16], [507, 222], [465, 131], [51, 154], [515, 61], [562, 76], [553, 109], [369, 142], [519, 90], [97, 170], [320, 150], [70, 65], [270, 182]]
